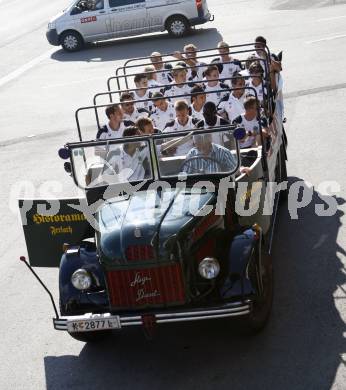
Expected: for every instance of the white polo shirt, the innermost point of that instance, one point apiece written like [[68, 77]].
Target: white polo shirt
[[249, 126], [200, 68], [154, 86], [161, 118], [137, 113], [106, 132], [175, 90], [233, 106], [259, 90], [196, 114], [229, 70], [217, 137], [163, 77], [131, 167], [148, 105], [216, 97], [176, 126]]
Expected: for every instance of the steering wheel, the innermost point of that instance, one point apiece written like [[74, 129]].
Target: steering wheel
[[205, 158]]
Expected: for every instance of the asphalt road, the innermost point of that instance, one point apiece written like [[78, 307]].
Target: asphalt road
[[303, 346]]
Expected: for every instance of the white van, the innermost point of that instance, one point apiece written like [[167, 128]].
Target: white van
[[95, 20]]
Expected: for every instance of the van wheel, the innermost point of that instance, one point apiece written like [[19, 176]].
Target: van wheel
[[71, 41], [177, 26]]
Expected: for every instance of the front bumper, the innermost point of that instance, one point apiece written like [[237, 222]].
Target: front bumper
[[53, 37], [228, 310]]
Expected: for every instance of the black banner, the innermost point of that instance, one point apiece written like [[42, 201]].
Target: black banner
[[48, 224]]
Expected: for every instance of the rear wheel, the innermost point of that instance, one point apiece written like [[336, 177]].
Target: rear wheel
[[71, 41], [177, 26], [90, 337]]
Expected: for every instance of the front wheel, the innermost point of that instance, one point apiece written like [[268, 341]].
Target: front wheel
[[261, 307], [90, 337], [71, 41], [177, 26]]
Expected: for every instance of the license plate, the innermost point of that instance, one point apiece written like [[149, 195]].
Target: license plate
[[93, 324]]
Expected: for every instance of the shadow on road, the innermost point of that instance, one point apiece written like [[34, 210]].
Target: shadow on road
[[140, 46], [300, 348]]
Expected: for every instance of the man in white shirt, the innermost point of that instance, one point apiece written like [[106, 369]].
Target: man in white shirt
[[183, 121], [153, 84], [260, 53], [163, 76], [234, 105], [212, 120], [131, 113], [230, 66], [113, 129], [256, 82], [131, 163], [250, 122], [164, 111], [143, 93], [146, 126], [179, 78], [133, 157], [189, 56], [198, 99], [115, 126], [212, 75]]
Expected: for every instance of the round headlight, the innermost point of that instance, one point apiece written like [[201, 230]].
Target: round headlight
[[81, 279], [209, 268]]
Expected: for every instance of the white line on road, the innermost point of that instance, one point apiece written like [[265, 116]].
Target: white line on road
[[24, 68], [332, 18], [327, 39]]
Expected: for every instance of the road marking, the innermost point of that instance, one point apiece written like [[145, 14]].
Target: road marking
[[24, 68], [313, 91], [326, 39], [332, 18]]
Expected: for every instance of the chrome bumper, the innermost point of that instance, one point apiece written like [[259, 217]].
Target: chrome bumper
[[228, 310]]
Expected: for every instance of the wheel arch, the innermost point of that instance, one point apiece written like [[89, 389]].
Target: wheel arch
[[83, 256], [62, 33]]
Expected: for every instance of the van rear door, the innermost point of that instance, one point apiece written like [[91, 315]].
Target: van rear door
[[128, 17]]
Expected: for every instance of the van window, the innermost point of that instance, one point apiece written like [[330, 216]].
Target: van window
[[91, 5], [121, 3], [98, 4]]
